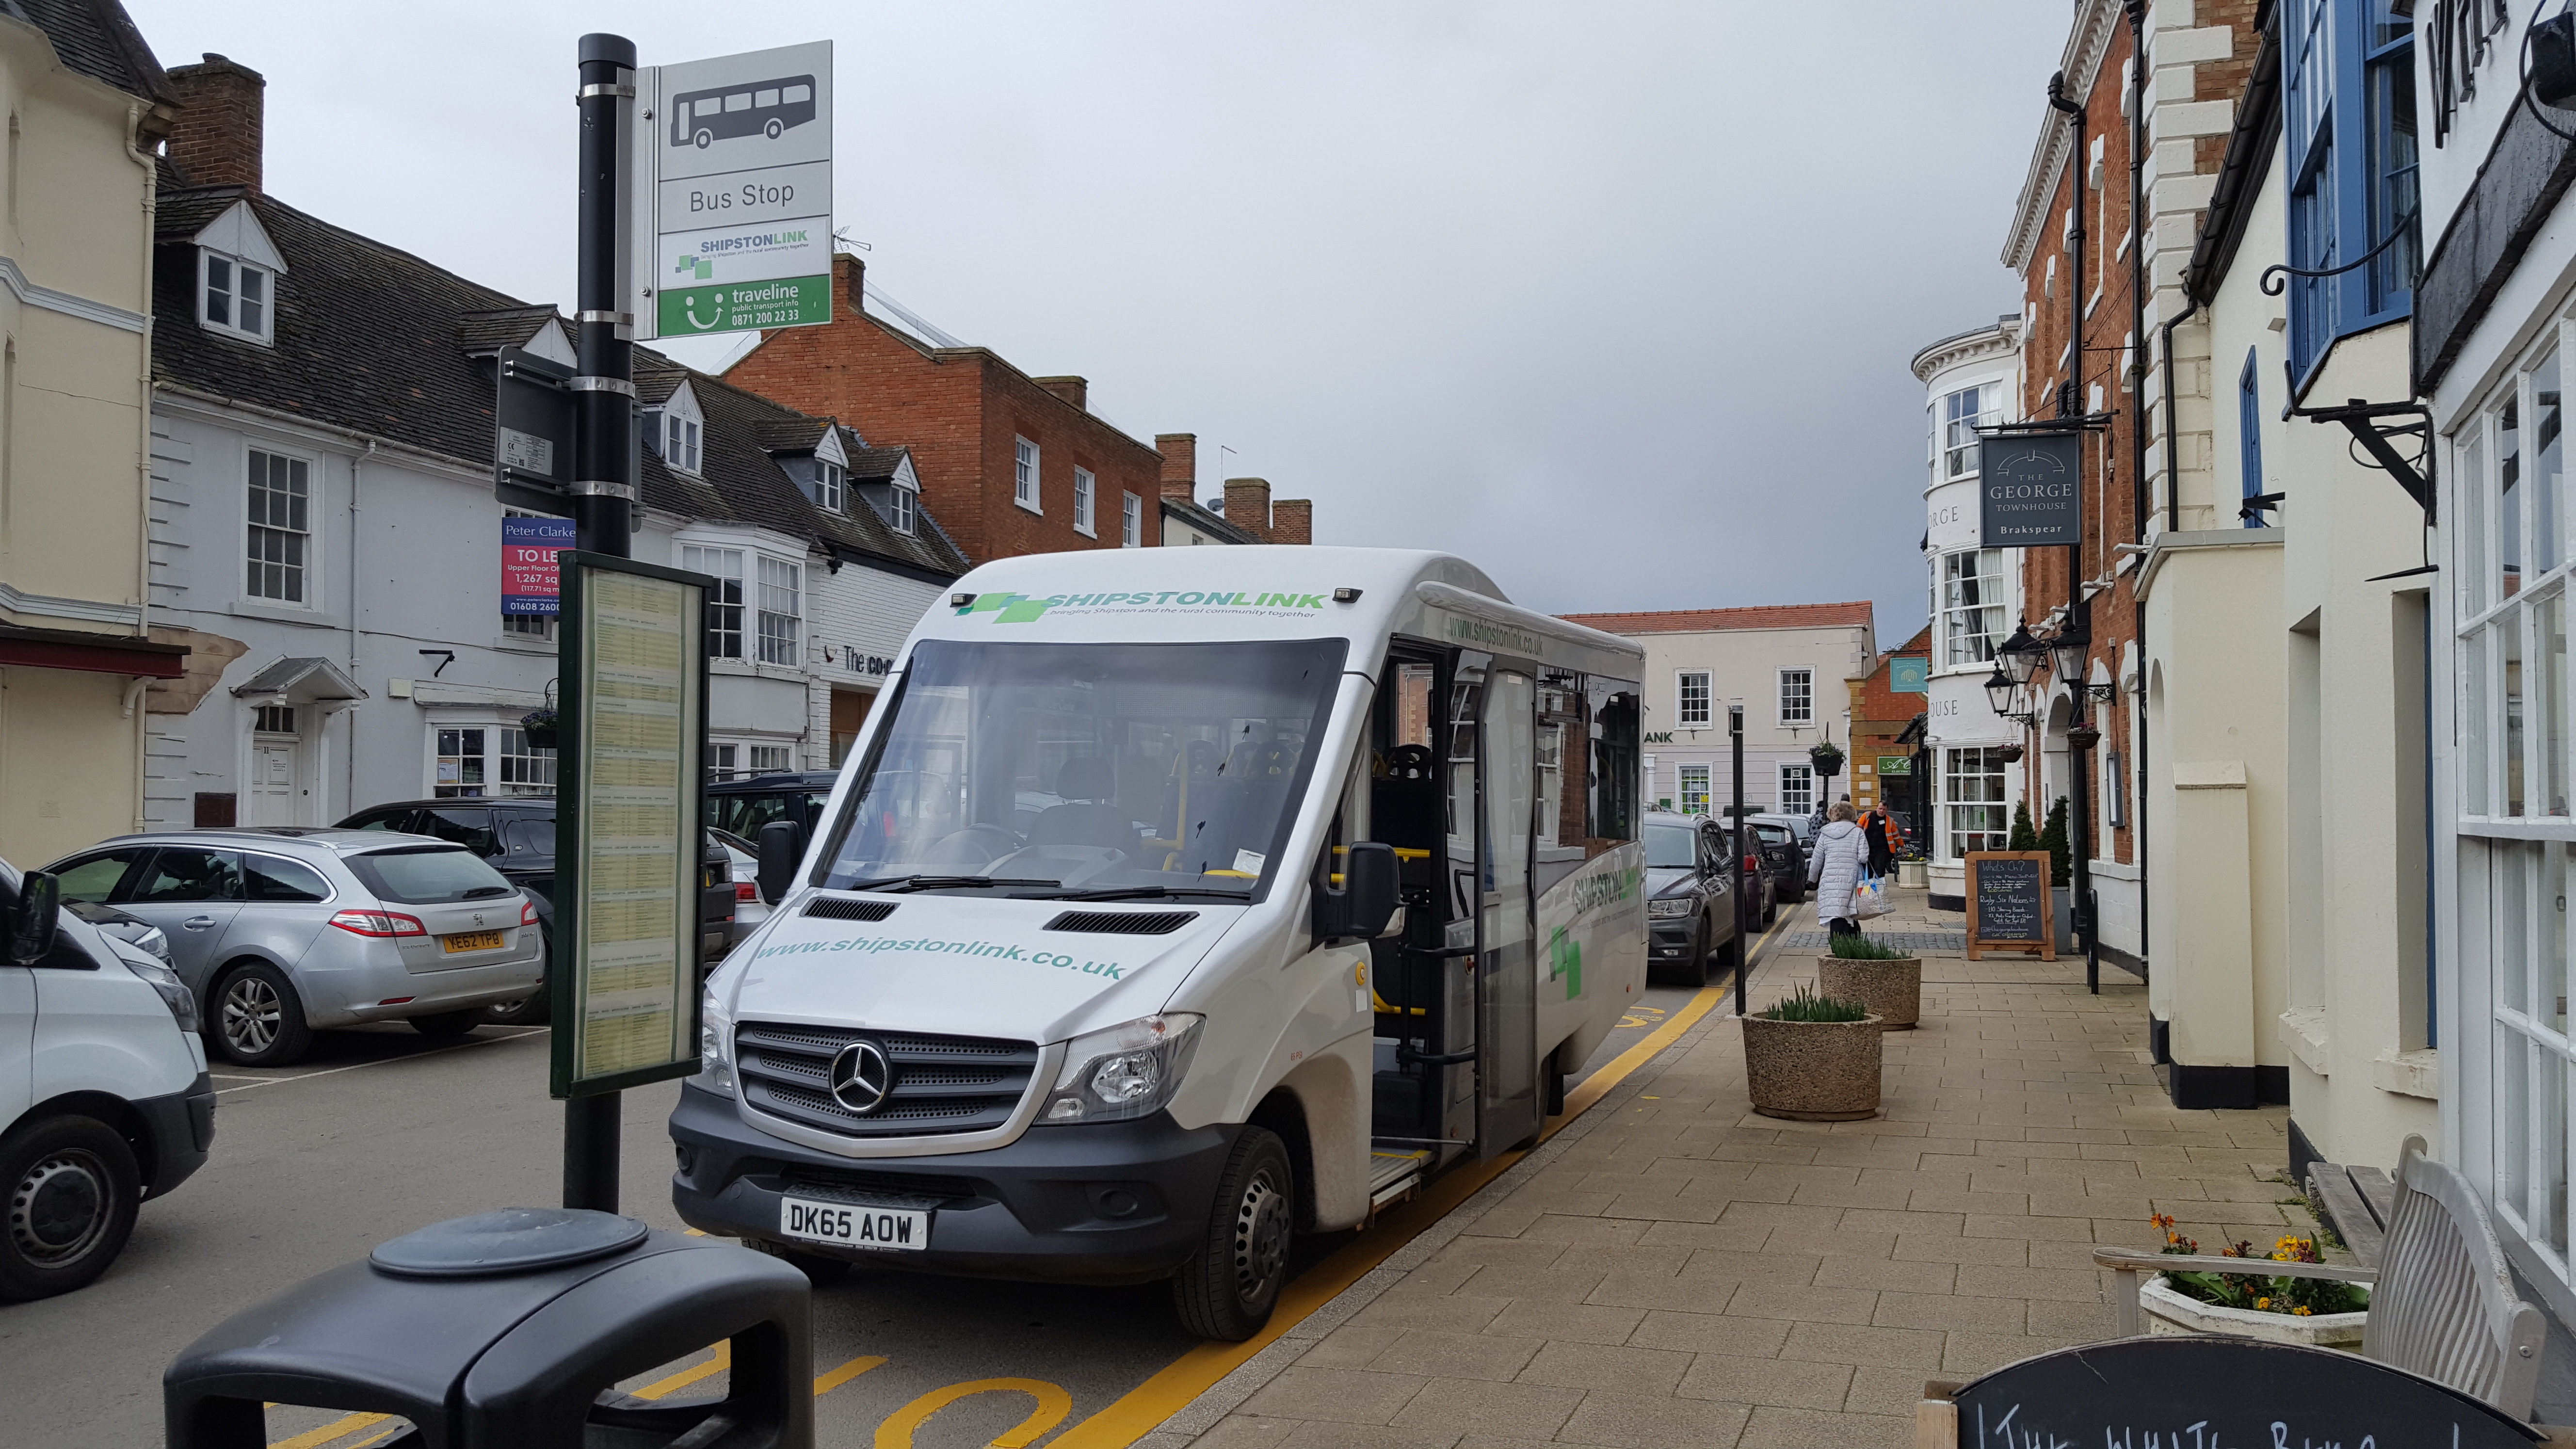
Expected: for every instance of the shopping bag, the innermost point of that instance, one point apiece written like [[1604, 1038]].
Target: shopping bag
[[1871, 898]]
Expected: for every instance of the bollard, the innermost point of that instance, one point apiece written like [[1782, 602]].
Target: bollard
[[512, 1328]]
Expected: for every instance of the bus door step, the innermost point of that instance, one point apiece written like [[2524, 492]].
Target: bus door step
[[1395, 1174]]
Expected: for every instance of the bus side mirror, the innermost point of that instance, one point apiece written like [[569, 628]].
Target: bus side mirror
[[1367, 900], [34, 918], [782, 846]]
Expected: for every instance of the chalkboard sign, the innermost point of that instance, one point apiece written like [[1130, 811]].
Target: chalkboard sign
[[2009, 908], [2210, 1391]]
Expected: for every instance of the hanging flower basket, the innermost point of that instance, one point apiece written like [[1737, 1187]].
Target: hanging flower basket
[[2084, 737], [540, 726], [1828, 759], [2010, 754]]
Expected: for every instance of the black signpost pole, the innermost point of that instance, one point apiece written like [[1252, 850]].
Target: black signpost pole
[[603, 487], [1743, 948]]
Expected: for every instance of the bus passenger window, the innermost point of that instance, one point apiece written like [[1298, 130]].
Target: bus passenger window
[[1615, 764], [741, 102], [712, 105], [764, 99], [795, 95]]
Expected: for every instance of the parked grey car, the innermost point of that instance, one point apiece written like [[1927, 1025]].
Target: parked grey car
[[1690, 900], [281, 929]]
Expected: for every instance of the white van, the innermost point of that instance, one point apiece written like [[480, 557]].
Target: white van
[[104, 1097], [1172, 902]]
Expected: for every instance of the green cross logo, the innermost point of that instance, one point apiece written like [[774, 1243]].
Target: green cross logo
[[1565, 958], [1009, 608]]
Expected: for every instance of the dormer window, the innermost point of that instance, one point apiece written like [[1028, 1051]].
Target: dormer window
[[904, 499], [683, 432], [831, 485], [237, 296], [237, 272]]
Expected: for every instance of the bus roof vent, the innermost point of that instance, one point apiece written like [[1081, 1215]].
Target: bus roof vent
[[1123, 923], [842, 908]]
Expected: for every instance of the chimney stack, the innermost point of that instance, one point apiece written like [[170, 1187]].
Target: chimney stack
[[850, 279], [1247, 506], [1292, 520], [1180, 464], [216, 139], [1072, 389]]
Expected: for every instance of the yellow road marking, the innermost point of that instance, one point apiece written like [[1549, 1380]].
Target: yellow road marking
[[1185, 1378], [687, 1376], [846, 1372], [313, 1438], [1053, 1404], [379, 1435]]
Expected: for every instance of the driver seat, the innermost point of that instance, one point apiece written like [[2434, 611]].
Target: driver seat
[[1089, 785]]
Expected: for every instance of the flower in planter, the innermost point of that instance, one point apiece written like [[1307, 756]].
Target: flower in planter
[[2295, 1297]]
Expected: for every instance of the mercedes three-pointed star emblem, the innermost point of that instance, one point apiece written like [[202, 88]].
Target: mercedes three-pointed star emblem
[[862, 1077]]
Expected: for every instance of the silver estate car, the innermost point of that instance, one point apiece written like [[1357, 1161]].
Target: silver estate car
[[281, 929]]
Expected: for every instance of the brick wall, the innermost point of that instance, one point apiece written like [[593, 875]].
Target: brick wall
[[217, 137], [1878, 716], [960, 410]]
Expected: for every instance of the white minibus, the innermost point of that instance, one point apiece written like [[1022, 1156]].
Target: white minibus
[[1173, 902]]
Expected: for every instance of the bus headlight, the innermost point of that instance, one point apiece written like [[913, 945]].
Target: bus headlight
[[1667, 907], [1129, 1070], [715, 1047]]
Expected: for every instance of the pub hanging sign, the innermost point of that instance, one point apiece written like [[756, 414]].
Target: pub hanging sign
[[2031, 495]]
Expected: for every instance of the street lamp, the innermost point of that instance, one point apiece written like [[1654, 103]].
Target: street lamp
[[2020, 655], [1999, 690], [2066, 653]]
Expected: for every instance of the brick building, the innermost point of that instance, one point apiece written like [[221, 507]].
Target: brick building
[[1885, 726], [1012, 464], [2115, 144]]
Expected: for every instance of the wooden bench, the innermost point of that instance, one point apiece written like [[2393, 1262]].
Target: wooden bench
[[2442, 1303], [2358, 1202]]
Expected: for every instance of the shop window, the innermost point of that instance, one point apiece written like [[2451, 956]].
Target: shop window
[[1972, 801], [1692, 791]]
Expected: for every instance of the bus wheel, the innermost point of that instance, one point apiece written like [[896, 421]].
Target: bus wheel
[[1228, 1287], [705, 138], [775, 129]]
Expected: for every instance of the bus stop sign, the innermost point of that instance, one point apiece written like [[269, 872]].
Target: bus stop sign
[[733, 195]]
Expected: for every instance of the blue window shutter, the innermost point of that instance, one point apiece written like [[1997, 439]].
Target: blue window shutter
[[2249, 424]]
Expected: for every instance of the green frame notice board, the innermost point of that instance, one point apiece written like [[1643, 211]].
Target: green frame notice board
[[630, 787]]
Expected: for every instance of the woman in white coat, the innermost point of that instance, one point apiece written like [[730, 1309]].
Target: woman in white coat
[[1841, 859]]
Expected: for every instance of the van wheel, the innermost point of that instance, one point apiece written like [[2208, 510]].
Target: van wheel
[[68, 1189], [258, 1020], [444, 1025], [1228, 1287]]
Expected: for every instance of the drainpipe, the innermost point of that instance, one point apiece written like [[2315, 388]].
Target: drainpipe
[[134, 117], [2137, 425]]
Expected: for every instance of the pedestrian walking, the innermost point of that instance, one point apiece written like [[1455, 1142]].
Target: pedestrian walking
[[1842, 852], [1880, 829]]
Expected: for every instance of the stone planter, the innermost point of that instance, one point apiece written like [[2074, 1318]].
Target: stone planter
[[1892, 990], [2169, 1312], [1912, 875], [1812, 1071]]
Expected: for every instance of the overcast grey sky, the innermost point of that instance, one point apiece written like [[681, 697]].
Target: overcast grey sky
[[1615, 300]]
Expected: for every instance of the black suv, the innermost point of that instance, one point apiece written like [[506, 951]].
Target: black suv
[[1690, 900], [1783, 864], [741, 807], [516, 833]]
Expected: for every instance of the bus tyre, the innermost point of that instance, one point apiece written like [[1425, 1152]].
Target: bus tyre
[[68, 1188], [1229, 1285]]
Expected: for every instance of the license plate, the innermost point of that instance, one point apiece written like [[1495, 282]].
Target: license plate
[[472, 941], [852, 1225]]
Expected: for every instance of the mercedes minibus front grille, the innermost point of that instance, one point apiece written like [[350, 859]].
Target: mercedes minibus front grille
[[842, 908], [1123, 923], [942, 1084]]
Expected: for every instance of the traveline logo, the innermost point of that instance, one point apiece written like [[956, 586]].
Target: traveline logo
[[1009, 608]]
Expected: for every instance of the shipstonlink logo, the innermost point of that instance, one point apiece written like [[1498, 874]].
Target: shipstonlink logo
[[1008, 608]]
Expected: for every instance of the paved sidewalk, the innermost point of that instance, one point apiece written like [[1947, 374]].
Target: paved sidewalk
[[1672, 1269]]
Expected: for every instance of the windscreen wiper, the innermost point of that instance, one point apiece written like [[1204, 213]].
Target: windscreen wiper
[[1140, 893], [897, 884], [481, 891]]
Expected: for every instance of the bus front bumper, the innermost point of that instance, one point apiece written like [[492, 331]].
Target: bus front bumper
[[1110, 1203]]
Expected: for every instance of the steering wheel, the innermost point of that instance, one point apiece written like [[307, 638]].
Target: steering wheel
[[1410, 762]]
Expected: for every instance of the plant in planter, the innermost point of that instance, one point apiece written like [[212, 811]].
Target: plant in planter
[[1887, 981], [541, 726], [2313, 1311], [1827, 757], [2024, 836], [2010, 754], [2052, 838], [1813, 1058]]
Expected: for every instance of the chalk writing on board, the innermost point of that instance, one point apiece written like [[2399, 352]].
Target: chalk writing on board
[[2009, 900]]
